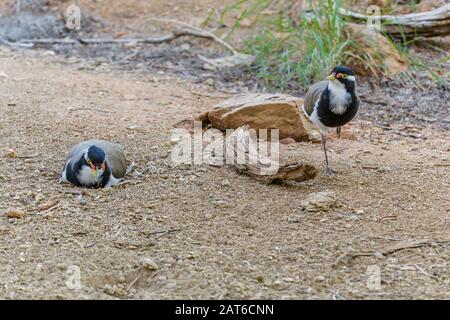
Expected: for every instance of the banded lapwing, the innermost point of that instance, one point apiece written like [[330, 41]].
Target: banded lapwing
[[95, 163], [332, 103]]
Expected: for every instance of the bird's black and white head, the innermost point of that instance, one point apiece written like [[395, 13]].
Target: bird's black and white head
[[93, 164], [342, 77]]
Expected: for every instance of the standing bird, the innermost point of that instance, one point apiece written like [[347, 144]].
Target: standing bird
[[95, 163], [332, 103]]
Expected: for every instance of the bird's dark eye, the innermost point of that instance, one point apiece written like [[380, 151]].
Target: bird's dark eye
[[343, 76]]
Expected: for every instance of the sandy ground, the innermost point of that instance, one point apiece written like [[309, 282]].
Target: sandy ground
[[211, 232]]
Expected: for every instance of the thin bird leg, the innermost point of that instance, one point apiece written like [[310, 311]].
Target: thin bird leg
[[338, 131], [325, 152]]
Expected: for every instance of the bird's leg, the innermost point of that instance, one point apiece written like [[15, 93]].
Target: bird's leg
[[328, 171], [338, 131]]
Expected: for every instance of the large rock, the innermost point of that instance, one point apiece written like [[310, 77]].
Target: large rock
[[320, 201], [382, 51], [263, 111]]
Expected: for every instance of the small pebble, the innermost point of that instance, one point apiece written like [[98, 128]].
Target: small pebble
[[15, 213], [185, 47], [10, 153], [61, 267], [171, 285], [276, 284], [319, 278], [226, 183], [149, 264]]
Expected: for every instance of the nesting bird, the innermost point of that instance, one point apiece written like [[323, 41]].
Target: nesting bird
[[95, 163], [332, 103]]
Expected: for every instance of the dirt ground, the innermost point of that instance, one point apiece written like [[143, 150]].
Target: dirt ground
[[210, 232]]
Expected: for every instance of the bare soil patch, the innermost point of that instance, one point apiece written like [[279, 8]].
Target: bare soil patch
[[201, 231]]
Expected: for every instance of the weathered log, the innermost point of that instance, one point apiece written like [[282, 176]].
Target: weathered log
[[240, 145], [425, 24]]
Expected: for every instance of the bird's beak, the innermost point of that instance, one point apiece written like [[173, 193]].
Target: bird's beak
[[331, 77], [94, 170], [98, 171]]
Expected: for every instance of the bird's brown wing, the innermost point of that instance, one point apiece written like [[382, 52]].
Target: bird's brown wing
[[76, 151], [312, 95], [114, 155]]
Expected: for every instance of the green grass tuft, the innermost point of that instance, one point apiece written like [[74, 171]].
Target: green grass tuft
[[302, 48], [287, 52]]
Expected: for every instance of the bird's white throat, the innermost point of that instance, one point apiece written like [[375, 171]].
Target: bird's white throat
[[339, 97], [86, 177]]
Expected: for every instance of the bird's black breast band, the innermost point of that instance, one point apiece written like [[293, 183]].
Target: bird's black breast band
[[331, 119]]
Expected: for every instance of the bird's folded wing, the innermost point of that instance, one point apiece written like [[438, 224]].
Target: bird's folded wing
[[114, 155], [313, 94], [76, 152]]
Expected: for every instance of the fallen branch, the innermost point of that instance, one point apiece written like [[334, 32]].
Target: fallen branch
[[149, 40], [423, 271], [348, 256], [162, 232], [131, 245], [21, 157], [17, 44], [426, 24], [441, 165], [132, 55], [165, 233], [133, 282], [198, 30], [45, 206]]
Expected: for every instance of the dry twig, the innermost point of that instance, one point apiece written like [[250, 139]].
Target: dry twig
[[45, 206], [196, 32], [409, 244]]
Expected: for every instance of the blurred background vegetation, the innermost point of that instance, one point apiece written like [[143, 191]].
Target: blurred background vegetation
[[300, 41]]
